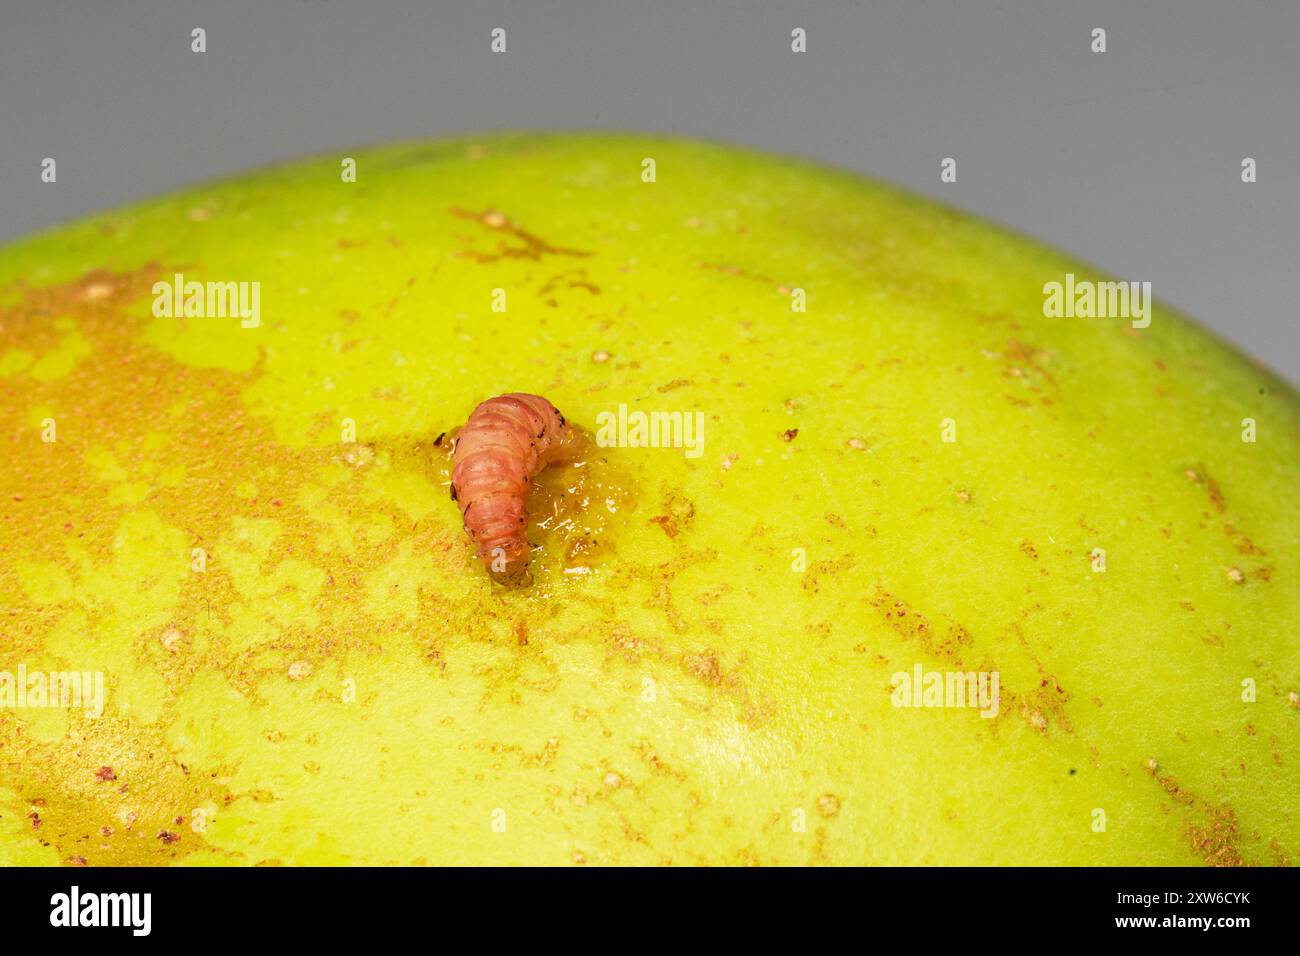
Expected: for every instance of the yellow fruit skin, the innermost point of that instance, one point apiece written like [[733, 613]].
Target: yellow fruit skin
[[340, 683]]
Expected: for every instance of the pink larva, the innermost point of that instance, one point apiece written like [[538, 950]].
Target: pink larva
[[505, 443]]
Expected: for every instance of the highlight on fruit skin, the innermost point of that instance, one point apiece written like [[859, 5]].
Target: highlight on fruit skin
[[497, 454]]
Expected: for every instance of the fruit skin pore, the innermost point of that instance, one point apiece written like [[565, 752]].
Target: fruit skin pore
[[246, 531]]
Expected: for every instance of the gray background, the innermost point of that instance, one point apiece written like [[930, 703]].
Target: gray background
[[1130, 159]]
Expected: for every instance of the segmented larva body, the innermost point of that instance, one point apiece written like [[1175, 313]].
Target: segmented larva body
[[505, 443]]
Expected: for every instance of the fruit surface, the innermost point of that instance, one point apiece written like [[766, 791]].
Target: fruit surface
[[304, 663]]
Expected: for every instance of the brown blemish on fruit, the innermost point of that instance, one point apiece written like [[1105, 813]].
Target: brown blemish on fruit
[[1029, 365], [654, 762], [533, 247], [790, 434], [667, 523], [569, 279], [528, 759], [819, 570], [1212, 832], [1048, 699], [740, 273], [1241, 541], [674, 384], [1280, 856], [1042, 707], [703, 666], [1198, 475], [133, 392], [950, 646]]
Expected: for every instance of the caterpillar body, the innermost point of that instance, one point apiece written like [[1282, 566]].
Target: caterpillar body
[[501, 448]]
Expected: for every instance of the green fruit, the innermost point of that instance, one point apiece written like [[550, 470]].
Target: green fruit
[[334, 679]]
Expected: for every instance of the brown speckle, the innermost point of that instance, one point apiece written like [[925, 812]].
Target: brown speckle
[[674, 384], [667, 522], [105, 773], [1199, 476], [704, 666], [828, 805], [790, 434]]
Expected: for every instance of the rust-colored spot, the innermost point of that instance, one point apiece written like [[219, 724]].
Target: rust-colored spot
[[674, 384], [828, 805], [533, 247], [704, 666]]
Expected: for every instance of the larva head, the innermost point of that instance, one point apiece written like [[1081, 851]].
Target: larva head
[[508, 565]]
